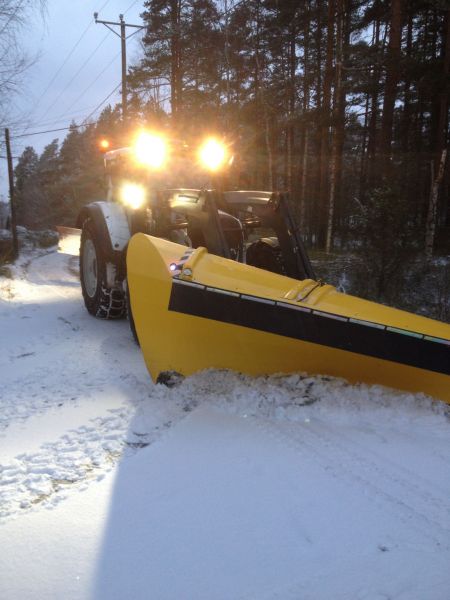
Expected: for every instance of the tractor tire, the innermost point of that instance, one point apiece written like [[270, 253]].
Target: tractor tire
[[100, 300]]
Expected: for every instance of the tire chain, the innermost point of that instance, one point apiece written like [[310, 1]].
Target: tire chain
[[112, 304]]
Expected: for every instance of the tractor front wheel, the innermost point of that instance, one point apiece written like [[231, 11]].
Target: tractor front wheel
[[100, 300]]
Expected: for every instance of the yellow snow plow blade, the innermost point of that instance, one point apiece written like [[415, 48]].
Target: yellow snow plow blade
[[193, 310]]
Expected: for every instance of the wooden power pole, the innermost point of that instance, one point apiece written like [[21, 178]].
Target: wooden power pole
[[11, 194], [123, 42]]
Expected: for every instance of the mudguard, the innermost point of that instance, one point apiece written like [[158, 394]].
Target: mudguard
[[194, 310], [111, 223]]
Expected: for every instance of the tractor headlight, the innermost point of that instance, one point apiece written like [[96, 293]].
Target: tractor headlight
[[150, 150], [132, 195], [213, 154]]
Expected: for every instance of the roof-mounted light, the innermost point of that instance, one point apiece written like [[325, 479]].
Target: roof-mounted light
[[150, 150], [213, 154]]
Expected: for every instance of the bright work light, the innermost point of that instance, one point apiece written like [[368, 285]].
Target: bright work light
[[132, 195], [150, 150], [213, 154]]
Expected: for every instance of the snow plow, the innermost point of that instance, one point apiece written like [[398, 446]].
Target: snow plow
[[221, 279], [194, 310]]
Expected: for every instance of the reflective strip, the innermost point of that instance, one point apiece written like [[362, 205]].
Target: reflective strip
[[371, 339], [430, 338], [294, 307], [188, 283], [257, 299], [405, 332], [220, 291], [367, 324], [315, 312], [330, 316]]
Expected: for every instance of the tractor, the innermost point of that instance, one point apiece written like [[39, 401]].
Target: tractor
[[143, 196]]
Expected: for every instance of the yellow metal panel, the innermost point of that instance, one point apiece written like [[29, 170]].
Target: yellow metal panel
[[173, 341]]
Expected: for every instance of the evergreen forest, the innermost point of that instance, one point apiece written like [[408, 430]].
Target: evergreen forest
[[345, 103]]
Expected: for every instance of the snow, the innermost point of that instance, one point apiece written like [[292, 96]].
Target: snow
[[223, 487]]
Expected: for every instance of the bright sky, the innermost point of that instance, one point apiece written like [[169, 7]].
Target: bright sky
[[78, 66]]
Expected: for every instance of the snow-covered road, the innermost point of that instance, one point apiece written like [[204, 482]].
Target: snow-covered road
[[224, 487]]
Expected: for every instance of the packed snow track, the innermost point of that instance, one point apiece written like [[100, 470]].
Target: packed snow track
[[223, 487]]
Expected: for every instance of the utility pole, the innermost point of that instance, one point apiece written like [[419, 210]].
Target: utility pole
[[123, 39], [11, 194]]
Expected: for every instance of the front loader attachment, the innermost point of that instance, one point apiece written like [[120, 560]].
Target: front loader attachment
[[195, 310]]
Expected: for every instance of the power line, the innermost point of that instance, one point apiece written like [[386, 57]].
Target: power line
[[71, 52], [101, 103], [75, 76], [62, 66], [83, 124], [94, 81], [62, 118], [21, 135], [77, 43], [129, 8], [74, 47]]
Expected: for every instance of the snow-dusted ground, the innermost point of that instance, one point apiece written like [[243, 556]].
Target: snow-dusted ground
[[224, 487]]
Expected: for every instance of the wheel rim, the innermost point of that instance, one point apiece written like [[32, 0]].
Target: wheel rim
[[90, 268]]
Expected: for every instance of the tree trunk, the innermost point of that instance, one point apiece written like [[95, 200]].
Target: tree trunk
[[326, 120], [175, 74], [442, 121], [432, 207], [372, 133], [303, 182], [314, 196], [338, 125], [406, 119], [291, 103], [305, 140], [442, 131], [392, 77], [257, 94], [269, 149]]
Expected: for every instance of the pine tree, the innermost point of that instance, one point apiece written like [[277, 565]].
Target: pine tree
[[26, 195]]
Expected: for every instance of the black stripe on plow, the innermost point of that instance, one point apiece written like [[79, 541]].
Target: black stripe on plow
[[325, 329]]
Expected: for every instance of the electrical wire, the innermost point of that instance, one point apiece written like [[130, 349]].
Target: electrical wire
[[131, 6], [68, 56], [84, 64], [64, 90], [101, 103], [62, 66], [71, 52], [94, 81], [41, 132], [21, 135], [69, 116], [83, 124]]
